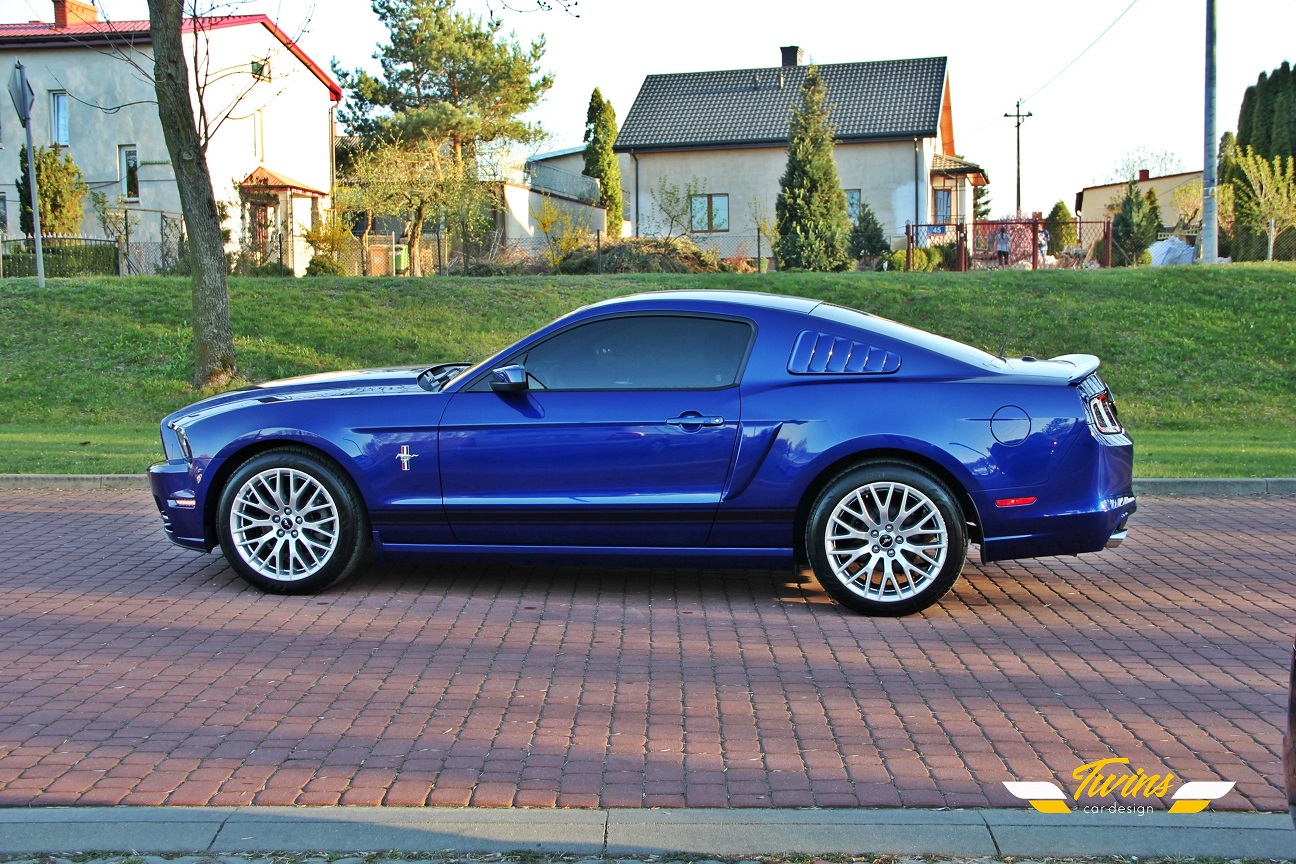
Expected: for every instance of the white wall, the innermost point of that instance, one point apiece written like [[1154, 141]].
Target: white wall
[[885, 173], [294, 105]]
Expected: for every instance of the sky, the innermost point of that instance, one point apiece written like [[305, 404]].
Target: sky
[[1137, 89]]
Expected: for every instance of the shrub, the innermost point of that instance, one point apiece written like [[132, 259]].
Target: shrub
[[644, 255], [322, 265]]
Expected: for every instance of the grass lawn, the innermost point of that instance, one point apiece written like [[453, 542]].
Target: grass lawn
[[1202, 360]]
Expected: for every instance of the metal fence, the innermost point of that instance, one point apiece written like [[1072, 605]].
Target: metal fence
[[1025, 244], [1255, 243]]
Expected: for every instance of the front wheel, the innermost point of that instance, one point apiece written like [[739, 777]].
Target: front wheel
[[886, 539], [291, 523]]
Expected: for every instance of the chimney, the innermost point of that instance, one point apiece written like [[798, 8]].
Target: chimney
[[74, 12], [792, 55], [1144, 175]]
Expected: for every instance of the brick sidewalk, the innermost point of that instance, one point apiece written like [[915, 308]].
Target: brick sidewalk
[[135, 673]]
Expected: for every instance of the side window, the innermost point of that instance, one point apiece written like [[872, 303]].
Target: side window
[[852, 204], [708, 213], [641, 352], [128, 171], [59, 119]]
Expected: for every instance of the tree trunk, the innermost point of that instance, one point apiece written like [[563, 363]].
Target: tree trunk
[[414, 238], [213, 336]]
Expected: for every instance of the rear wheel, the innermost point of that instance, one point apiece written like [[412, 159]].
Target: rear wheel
[[291, 523], [886, 539]]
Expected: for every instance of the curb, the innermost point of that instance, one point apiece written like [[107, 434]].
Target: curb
[[1149, 486], [1215, 486], [607, 834], [74, 482]]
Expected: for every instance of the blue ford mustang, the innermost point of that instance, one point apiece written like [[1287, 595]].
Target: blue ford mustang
[[678, 427]]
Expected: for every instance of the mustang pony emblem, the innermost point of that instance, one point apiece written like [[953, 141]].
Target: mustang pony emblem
[[405, 456]]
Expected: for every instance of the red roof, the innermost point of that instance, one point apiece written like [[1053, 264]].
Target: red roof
[[46, 35]]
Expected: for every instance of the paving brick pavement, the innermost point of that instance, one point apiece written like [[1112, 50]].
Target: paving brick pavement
[[132, 672]]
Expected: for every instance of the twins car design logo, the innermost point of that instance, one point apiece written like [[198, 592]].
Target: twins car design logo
[[1192, 797]]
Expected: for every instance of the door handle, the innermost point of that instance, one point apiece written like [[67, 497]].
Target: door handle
[[695, 420]]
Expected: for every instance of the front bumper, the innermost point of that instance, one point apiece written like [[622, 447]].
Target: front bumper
[[174, 494]]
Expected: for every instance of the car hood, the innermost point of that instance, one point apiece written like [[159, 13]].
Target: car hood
[[325, 385]]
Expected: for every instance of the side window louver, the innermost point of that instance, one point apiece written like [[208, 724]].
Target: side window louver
[[816, 353]]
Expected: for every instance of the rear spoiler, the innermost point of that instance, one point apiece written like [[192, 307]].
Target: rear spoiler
[[1085, 365]]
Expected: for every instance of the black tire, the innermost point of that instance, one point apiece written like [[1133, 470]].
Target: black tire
[[290, 522], [886, 539]]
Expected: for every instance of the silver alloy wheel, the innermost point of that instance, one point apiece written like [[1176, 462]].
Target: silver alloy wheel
[[886, 541], [284, 524]]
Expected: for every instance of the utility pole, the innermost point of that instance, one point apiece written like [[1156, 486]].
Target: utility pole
[[1020, 117], [1210, 166]]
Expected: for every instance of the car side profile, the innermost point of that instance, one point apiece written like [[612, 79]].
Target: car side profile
[[700, 428]]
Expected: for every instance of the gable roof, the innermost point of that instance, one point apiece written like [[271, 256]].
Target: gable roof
[[945, 164], [877, 100], [41, 34]]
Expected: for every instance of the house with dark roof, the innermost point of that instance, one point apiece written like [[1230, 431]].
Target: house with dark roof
[[269, 112], [728, 130]]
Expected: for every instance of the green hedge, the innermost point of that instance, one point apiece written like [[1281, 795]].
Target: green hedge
[[96, 259]]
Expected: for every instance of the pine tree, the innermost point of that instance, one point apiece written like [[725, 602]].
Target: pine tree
[[981, 203], [866, 237], [600, 162], [61, 191], [445, 75], [1135, 226], [1061, 227], [810, 211]]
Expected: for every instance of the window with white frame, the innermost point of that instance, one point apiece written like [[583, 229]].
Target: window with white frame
[[4, 213], [59, 118], [128, 170], [708, 213]]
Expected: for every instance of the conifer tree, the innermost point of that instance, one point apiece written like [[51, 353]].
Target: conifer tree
[[1061, 227], [61, 191], [600, 162], [866, 237], [810, 210], [1135, 226], [445, 74]]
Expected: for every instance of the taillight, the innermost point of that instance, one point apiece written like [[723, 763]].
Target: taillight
[[1103, 410]]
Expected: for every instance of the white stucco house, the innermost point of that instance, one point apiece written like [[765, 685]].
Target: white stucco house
[[729, 130], [268, 109]]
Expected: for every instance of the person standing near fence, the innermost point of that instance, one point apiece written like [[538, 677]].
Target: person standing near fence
[[1043, 240], [1003, 243]]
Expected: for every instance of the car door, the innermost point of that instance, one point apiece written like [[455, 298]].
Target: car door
[[618, 432]]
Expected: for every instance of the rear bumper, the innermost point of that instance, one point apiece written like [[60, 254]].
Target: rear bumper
[[173, 485], [1085, 506], [1062, 533]]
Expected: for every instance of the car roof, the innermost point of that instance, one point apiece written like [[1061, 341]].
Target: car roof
[[694, 297]]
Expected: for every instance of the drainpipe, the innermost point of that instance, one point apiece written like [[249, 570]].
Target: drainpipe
[[917, 178], [332, 152], [634, 158]]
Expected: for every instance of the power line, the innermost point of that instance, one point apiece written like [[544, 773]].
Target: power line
[[1082, 53]]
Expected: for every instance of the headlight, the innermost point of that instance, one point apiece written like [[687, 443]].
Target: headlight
[[181, 442]]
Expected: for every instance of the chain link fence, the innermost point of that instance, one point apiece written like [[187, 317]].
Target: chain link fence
[[1255, 243], [1017, 244]]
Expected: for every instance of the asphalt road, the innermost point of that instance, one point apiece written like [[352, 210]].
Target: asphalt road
[[132, 672]]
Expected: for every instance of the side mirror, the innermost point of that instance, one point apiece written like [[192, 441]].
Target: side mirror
[[509, 379]]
